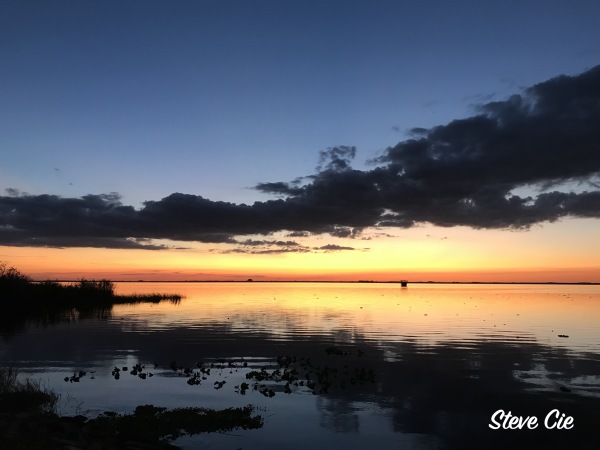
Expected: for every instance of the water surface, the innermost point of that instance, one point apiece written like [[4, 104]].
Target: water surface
[[443, 359]]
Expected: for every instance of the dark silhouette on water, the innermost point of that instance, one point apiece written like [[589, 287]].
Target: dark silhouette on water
[[23, 300]]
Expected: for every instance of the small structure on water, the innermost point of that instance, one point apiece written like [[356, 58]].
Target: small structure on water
[[403, 283]]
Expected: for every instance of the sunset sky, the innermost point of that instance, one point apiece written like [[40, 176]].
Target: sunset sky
[[295, 140]]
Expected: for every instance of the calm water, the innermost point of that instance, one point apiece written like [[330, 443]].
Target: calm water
[[420, 367]]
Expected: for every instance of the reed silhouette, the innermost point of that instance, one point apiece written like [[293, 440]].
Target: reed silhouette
[[23, 300]]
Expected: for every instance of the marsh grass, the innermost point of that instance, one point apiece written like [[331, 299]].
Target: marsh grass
[[24, 300], [25, 395], [20, 292]]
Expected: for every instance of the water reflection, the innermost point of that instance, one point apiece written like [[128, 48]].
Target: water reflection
[[17, 322], [444, 358]]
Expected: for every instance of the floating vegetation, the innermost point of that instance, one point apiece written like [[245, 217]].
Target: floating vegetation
[[337, 369], [138, 370], [300, 373], [76, 377], [334, 369], [267, 392], [242, 388]]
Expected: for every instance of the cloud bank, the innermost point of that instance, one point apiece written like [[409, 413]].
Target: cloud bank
[[463, 173]]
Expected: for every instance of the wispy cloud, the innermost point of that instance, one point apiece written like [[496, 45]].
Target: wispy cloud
[[461, 173], [272, 247]]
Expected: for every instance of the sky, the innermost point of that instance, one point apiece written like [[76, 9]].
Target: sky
[[301, 140]]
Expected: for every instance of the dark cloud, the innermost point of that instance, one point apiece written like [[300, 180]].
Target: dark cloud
[[91, 221], [298, 234], [270, 242], [284, 189], [267, 251], [24, 240], [336, 159], [266, 248], [463, 173], [334, 248], [13, 192], [278, 188], [466, 172], [342, 232]]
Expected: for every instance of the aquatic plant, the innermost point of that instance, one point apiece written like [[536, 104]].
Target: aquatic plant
[[299, 372], [336, 369]]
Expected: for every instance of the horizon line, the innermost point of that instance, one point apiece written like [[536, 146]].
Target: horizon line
[[250, 280]]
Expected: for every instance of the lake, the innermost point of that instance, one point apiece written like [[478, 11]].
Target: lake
[[376, 365]]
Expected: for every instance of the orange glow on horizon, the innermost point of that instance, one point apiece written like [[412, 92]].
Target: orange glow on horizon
[[566, 251]]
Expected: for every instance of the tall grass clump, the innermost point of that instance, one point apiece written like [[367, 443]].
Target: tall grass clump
[[19, 292], [23, 299], [97, 289], [11, 280], [25, 395]]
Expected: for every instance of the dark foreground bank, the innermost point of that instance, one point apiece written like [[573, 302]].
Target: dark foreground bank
[[28, 420]]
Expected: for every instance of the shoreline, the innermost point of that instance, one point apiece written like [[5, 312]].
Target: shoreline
[[575, 283]]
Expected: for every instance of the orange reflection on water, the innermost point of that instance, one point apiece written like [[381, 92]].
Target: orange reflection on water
[[431, 313]]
